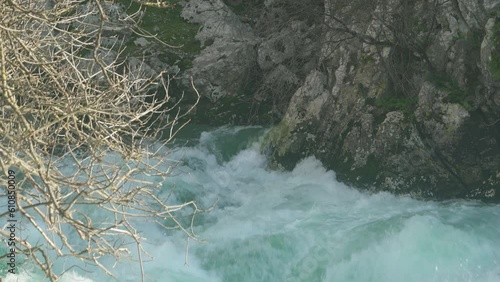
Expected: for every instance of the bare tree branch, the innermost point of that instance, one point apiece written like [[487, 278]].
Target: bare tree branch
[[81, 124]]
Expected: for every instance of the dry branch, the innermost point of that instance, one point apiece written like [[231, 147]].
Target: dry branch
[[79, 125]]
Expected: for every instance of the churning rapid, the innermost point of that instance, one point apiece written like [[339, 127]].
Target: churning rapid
[[304, 225]]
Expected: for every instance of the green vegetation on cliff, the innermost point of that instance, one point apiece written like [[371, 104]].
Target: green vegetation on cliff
[[169, 27]]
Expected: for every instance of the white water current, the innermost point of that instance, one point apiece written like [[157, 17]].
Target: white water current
[[303, 225]]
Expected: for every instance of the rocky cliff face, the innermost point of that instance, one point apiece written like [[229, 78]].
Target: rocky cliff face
[[256, 54], [228, 56], [405, 98], [396, 95]]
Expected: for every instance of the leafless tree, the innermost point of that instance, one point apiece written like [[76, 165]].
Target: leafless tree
[[77, 125]]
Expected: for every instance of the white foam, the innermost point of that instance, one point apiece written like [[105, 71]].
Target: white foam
[[304, 225]]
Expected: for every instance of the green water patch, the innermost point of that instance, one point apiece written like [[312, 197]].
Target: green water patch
[[191, 133], [228, 143], [239, 260], [224, 142]]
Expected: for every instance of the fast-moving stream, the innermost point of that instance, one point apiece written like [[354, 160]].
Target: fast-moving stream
[[304, 225]]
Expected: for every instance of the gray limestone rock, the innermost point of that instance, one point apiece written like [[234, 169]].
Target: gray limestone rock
[[415, 115], [220, 69]]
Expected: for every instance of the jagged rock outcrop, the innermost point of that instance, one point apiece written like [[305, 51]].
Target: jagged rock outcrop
[[405, 98], [251, 62], [393, 95], [229, 54]]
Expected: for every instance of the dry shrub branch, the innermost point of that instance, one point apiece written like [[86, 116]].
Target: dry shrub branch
[[77, 123]]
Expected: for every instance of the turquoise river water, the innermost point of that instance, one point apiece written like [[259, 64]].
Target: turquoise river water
[[303, 225]]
